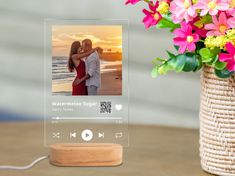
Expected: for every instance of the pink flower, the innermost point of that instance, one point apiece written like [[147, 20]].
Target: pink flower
[[211, 6], [185, 38], [152, 17], [182, 10], [133, 2], [231, 22], [231, 12], [228, 57], [167, 1], [200, 31], [219, 26]]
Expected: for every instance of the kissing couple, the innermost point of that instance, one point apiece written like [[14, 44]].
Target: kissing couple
[[86, 61]]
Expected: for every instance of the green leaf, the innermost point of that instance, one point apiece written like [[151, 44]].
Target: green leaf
[[190, 62], [206, 55], [172, 63], [199, 63], [206, 60], [171, 55], [167, 16], [209, 56], [166, 22], [213, 61], [176, 47], [215, 51], [180, 62], [216, 58], [205, 52], [158, 59], [154, 72], [163, 69], [220, 65], [204, 20], [223, 73], [207, 19]]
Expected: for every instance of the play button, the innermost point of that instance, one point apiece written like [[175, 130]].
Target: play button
[[87, 135]]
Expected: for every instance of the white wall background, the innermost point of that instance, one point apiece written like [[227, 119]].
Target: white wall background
[[167, 100]]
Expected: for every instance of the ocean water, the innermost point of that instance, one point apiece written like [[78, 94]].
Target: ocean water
[[60, 73]]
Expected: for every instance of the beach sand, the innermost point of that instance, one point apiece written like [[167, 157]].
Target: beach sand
[[111, 84]]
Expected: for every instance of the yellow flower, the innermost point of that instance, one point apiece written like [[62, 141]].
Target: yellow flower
[[163, 7], [214, 42], [220, 41], [232, 4], [231, 34]]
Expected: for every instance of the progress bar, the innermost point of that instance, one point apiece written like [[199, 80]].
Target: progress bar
[[87, 118]]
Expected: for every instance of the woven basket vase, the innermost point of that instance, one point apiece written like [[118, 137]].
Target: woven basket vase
[[217, 123]]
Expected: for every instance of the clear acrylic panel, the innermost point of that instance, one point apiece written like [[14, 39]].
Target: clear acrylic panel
[[72, 115]]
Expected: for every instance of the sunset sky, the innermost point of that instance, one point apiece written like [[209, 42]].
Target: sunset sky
[[107, 37]]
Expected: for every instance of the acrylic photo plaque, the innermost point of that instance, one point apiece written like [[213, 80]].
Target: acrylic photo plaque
[[86, 81]]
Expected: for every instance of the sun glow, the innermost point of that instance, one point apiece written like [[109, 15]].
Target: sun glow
[[108, 37]]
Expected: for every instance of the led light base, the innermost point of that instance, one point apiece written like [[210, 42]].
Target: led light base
[[86, 154]]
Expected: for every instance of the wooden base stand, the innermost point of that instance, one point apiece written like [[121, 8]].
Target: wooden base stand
[[86, 154]]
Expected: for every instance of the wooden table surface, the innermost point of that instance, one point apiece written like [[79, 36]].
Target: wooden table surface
[[153, 151]]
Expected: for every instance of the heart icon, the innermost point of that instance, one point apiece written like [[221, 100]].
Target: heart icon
[[118, 107]]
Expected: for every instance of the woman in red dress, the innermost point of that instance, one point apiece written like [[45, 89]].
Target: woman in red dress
[[75, 62]]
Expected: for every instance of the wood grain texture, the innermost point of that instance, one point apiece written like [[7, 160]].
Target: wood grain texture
[[86, 154]]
